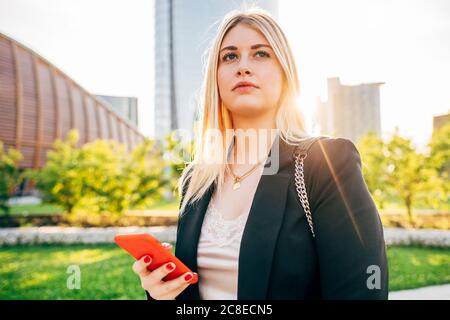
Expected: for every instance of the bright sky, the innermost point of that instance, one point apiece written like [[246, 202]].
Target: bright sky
[[404, 43], [107, 47]]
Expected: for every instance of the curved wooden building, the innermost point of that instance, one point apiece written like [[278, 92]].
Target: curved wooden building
[[39, 103]]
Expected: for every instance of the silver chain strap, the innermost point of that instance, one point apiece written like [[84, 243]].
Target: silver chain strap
[[301, 188]]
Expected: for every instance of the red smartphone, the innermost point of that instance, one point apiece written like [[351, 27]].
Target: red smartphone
[[141, 244]]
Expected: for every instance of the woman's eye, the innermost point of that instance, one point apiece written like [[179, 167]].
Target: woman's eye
[[231, 55], [264, 54], [225, 57]]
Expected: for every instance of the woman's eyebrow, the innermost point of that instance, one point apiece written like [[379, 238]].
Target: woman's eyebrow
[[255, 46]]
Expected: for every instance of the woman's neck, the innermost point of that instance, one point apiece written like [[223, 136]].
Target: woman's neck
[[253, 140]]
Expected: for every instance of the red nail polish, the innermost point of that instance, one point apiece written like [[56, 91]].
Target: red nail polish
[[147, 259], [188, 277], [170, 267]]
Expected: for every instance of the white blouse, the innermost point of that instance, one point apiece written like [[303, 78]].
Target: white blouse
[[218, 248]]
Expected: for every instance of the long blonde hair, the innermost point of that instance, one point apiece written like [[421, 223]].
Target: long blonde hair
[[197, 176]]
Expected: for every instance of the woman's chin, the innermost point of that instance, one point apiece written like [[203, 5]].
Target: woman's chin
[[245, 107], [247, 110]]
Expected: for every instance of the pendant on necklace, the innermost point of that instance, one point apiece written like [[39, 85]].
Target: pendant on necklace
[[237, 183]]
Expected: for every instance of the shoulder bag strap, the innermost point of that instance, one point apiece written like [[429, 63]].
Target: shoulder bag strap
[[300, 153]]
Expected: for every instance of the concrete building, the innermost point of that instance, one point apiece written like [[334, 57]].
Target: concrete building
[[127, 107], [440, 121], [350, 110]]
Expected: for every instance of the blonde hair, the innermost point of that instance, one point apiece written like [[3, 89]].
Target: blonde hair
[[198, 177]]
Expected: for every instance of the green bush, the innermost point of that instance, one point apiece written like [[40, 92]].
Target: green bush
[[101, 176], [10, 176]]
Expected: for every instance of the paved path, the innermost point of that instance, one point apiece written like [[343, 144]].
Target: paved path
[[72, 235], [36, 235], [440, 292]]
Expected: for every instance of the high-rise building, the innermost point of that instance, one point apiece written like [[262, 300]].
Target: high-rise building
[[183, 31], [125, 106], [440, 121], [350, 110]]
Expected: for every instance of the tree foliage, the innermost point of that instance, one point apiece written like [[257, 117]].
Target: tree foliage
[[10, 176], [101, 176]]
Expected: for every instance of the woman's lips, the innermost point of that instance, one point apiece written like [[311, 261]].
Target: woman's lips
[[245, 89]]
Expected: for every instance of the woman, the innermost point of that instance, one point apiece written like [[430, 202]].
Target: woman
[[242, 227]]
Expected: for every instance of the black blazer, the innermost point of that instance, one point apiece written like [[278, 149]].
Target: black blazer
[[279, 258]]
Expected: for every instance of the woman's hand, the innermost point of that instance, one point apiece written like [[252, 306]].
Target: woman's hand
[[152, 280]]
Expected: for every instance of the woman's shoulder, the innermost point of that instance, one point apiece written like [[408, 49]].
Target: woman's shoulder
[[332, 156], [333, 148]]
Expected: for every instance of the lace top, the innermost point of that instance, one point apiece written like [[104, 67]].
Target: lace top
[[218, 254], [219, 245], [222, 232]]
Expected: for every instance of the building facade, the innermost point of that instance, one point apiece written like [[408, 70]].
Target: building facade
[[127, 107], [350, 110], [39, 104], [440, 121]]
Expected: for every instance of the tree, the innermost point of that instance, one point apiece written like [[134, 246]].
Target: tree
[[59, 180], [101, 170], [439, 146], [146, 167], [118, 180], [101, 176], [438, 163], [10, 176], [407, 172], [374, 167], [178, 151]]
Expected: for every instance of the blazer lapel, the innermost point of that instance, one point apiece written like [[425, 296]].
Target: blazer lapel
[[260, 234], [188, 235], [261, 231]]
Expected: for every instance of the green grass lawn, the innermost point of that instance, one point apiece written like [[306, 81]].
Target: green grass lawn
[[43, 208], [40, 272], [414, 267]]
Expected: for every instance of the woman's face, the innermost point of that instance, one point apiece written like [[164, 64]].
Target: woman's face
[[245, 55]]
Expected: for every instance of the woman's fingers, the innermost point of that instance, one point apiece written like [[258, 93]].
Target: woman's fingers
[[158, 274], [172, 288], [154, 279], [140, 266], [152, 282], [174, 293]]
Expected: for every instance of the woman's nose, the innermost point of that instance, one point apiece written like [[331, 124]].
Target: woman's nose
[[243, 70]]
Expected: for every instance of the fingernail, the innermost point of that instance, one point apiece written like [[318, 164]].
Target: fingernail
[[188, 277], [147, 259], [170, 267]]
